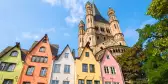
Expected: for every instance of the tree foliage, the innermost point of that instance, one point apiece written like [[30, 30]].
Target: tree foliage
[[151, 50], [158, 9]]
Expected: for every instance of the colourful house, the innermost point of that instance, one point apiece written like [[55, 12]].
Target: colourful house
[[87, 68], [64, 68], [110, 69], [38, 63], [11, 64]]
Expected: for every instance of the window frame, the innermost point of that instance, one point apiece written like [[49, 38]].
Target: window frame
[[93, 68], [66, 55], [81, 81], [87, 54], [7, 80], [42, 49], [83, 70], [32, 71], [55, 68], [11, 54], [68, 69], [41, 73]]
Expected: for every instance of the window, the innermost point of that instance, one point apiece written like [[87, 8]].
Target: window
[[87, 54], [84, 68], [115, 82], [45, 59], [96, 82], [55, 82], [120, 44], [113, 70], [67, 69], [11, 67], [80, 81], [30, 70], [89, 81], [108, 57], [102, 29], [26, 83], [90, 38], [66, 55], [106, 69], [115, 26], [104, 38], [4, 66], [97, 37], [65, 82], [107, 82], [42, 49], [14, 53], [8, 81], [40, 59], [92, 68], [96, 28], [57, 68], [43, 71]]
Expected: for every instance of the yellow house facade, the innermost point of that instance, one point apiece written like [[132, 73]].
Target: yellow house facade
[[87, 68]]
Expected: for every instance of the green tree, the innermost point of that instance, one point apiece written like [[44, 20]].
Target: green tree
[[153, 49]]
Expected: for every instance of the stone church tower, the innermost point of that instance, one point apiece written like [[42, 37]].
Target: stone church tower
[[100, 33]]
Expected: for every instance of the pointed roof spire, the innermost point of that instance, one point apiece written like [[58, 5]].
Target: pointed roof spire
[[111, 11], [81, 24], [97, 15]]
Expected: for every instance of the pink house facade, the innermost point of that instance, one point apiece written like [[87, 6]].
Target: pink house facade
[[110, 69]]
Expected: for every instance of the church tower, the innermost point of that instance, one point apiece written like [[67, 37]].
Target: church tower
[[90, 31], [114, 25], [100, 33], [81, 33]]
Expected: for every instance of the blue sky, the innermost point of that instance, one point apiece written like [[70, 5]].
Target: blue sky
[[26, 21]]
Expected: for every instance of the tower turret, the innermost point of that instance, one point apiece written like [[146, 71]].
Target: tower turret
[[81, 33], [114, 25], [89, 15]]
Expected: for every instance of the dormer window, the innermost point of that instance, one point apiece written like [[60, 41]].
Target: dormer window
[[87, 54], [66, 55], [42, 49], [108, 57], [14, 53]]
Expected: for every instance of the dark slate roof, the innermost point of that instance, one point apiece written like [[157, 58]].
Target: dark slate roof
[[54, 48], [23, 54], [97, 15], [7, 49]]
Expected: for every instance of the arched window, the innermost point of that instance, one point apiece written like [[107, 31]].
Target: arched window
[[120, 44], [42, 49], [115, 26], [14, 53], [104, 38]]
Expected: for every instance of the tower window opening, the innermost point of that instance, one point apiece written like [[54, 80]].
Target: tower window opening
[[104, 38], [89, 38], [97, 37], [101, 48], [102, 29], [115, 26], [120, 44], [96, 28]]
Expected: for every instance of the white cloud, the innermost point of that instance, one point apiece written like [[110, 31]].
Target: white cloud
[[35, 35], [75, 8], [66, 34], [150, 21]]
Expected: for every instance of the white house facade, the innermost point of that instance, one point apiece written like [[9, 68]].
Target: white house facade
[[63, 68]]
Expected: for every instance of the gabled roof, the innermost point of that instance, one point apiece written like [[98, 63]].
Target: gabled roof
[[86, 46], [97, 15], [9, 48], [54, 47], [67, 46]]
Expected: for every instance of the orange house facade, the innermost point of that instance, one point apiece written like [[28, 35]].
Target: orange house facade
[[38, 64]]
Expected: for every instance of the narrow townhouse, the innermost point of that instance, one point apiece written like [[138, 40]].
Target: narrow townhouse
[[110, 69], [11, 64], [87, 68], [38, 63], [64, 68]]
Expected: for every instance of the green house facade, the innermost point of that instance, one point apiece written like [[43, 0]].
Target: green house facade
[[11, 64]]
